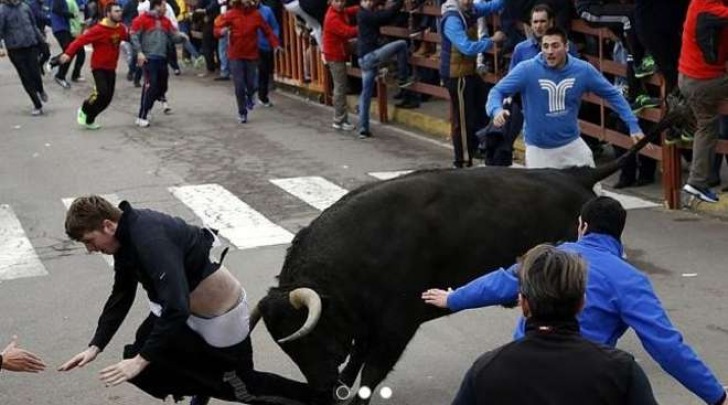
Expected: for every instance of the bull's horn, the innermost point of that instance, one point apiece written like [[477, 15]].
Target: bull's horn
[[254, 318], [307, 297]]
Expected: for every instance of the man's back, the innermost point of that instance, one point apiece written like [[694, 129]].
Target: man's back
[[553, 364]]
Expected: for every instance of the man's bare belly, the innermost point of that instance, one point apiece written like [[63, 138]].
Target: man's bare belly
[[216, 294]]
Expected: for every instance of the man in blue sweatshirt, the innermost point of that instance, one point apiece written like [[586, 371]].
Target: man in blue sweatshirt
[[551, 86], [266, 63], [618, 297]]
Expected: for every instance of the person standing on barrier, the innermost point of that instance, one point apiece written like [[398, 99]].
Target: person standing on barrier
[[372, 56], [195, 340], [618, 297], [551, 87], [563, 367], [704, 83], [468, 91], [338, 31]]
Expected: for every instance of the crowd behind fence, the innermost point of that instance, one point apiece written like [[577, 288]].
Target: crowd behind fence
[[301, 65]]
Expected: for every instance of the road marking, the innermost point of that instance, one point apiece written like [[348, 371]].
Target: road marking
[[628, 202], [314, 190], [389, 175], [112, 198], [218, 208], [17, 256]]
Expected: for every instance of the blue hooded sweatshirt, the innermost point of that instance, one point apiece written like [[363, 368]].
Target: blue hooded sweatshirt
[[552, 98], [270, 18], [618, 297]]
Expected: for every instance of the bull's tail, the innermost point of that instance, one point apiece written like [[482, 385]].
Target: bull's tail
[[674, 117]]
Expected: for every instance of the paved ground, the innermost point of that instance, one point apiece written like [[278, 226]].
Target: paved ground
[[44, 160]]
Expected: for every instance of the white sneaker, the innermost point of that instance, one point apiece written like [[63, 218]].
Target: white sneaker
[[345, 126], [142, 123]]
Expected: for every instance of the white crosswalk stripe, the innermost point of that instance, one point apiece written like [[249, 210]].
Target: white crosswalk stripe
[[314, 191], [237, 222], [389, 175], [17, 256], [112, 198]]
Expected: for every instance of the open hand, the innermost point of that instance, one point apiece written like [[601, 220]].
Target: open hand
[[17, 359], [436, 297], [81, 359], [501, 118], [123, 371]]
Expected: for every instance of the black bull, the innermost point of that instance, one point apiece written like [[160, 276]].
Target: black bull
[[362, 265]]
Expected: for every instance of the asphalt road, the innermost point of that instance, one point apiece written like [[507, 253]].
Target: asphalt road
[[46, 159]]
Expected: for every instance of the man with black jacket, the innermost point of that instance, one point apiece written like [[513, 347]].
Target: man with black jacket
[[553, 363], [195, 341]]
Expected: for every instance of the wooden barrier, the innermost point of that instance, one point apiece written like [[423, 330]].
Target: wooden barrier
[[289, 70]]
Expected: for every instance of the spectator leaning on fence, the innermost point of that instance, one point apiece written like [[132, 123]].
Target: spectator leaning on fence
[[704, 82], [542, 18], [468, 91], [551, 86], [338, 31]]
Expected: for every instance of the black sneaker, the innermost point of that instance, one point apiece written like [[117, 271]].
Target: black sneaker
[[43, 96], [200, 400], [364, 134], [406, 82], [645, 69], [407, 103], [129, 76], [703, 194], [63, 83]]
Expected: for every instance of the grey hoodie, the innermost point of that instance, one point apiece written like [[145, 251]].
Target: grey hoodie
[[17, 26]]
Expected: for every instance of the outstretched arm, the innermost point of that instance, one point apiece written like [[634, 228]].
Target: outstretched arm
[[13, 358]]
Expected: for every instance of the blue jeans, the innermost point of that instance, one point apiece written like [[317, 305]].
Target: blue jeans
[[369, 65], [222, 46], [245, 78]]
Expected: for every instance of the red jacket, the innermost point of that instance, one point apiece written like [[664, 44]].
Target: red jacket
[[705, 40], [244, 23], [338, 30], [105, 41]]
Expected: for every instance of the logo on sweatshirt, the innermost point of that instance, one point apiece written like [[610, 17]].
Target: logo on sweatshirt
[[557, 93]]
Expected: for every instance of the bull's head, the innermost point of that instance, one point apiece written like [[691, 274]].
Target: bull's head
[[302, 326]]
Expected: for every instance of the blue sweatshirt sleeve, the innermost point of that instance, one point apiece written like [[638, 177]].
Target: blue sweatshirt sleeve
[[512, 83], [456, 33], [486, 8], [496, 288], [599, 85], [643, 312]]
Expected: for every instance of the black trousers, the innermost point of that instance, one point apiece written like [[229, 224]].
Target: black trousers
[[189, 366], [209, 47], [467, 109], [658, 26], [265, 70], [156, 79], [25, 61], [105, 82], [64, 39]]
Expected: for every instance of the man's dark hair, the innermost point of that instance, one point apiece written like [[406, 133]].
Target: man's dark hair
[[109, 6], [553, 282], [540, 8], [556, 31], [155, 3], [87, 214], [604, 215]]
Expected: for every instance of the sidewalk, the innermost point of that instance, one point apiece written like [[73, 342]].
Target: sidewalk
[[432, 119]]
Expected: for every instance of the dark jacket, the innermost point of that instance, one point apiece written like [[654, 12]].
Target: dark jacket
[[169, 258], [18, 26], [554, 365], [369, 23]]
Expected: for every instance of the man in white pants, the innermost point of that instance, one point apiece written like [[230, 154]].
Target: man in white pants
[[551, 86]]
